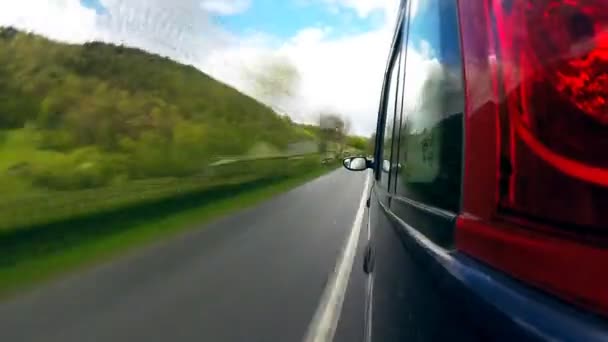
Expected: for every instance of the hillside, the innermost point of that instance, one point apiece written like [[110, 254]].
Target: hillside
[[77, 116]]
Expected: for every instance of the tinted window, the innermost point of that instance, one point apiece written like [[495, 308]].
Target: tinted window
[[389, 127], [430, 135], [395, 163]]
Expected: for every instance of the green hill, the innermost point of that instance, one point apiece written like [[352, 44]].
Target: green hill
[[77, 116]]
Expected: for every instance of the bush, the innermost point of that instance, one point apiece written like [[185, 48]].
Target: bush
[[80, 169], [56, 140]]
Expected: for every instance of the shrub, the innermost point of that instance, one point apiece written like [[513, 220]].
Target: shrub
[[83, 168]]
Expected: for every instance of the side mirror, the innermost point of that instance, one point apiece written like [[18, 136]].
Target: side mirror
[[357, 163], [386, 166]]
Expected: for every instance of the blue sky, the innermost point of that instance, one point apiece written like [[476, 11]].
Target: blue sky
[[283, 19], [94, 4]]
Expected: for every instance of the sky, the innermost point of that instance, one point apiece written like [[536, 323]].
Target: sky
[[339, 47]]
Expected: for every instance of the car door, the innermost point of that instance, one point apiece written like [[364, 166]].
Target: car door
[[418, 181]]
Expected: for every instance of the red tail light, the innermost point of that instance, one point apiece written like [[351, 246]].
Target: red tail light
[[536, 158], [553, 61]]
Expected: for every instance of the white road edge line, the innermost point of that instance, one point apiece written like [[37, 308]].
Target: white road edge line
[[323, 325]]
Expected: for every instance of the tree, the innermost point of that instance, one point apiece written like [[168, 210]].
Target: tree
[[371, 145], [359, 143], [333, 130], [274, 79]]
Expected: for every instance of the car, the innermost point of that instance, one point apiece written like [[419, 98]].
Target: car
[[488, 213]]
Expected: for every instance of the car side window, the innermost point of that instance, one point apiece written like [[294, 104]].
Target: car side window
[[431, 129], [391, 107], [395, 162]]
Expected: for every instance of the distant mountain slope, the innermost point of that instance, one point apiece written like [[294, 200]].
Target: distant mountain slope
[[139, 114], [59, 80]]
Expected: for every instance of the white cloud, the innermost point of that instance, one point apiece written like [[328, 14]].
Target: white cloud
[[65, 20], [180, 29], [364, 8], [226, 7], [341, 74]]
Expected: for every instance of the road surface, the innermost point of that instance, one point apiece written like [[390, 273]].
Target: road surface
[[257, 275]]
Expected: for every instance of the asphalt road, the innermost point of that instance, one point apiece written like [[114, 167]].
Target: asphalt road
[[257, 275]]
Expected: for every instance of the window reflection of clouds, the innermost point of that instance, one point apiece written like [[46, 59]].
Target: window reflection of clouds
[[427, 80], [390, 116], [433, 93], [433, 69], [430, 141]]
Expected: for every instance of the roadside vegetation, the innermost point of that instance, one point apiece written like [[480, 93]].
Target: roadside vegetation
[[84, 116], [103, 148]]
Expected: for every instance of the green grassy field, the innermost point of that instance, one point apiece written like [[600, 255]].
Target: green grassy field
[[31, 255]]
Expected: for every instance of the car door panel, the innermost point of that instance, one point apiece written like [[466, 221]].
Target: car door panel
[[408, 302]]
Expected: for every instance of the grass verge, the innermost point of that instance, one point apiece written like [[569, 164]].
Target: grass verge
[[28, 258]]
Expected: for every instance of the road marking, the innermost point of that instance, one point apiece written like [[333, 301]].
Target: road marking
[[324, 323]]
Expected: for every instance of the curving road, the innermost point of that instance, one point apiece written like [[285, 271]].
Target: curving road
[[257, 275]]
